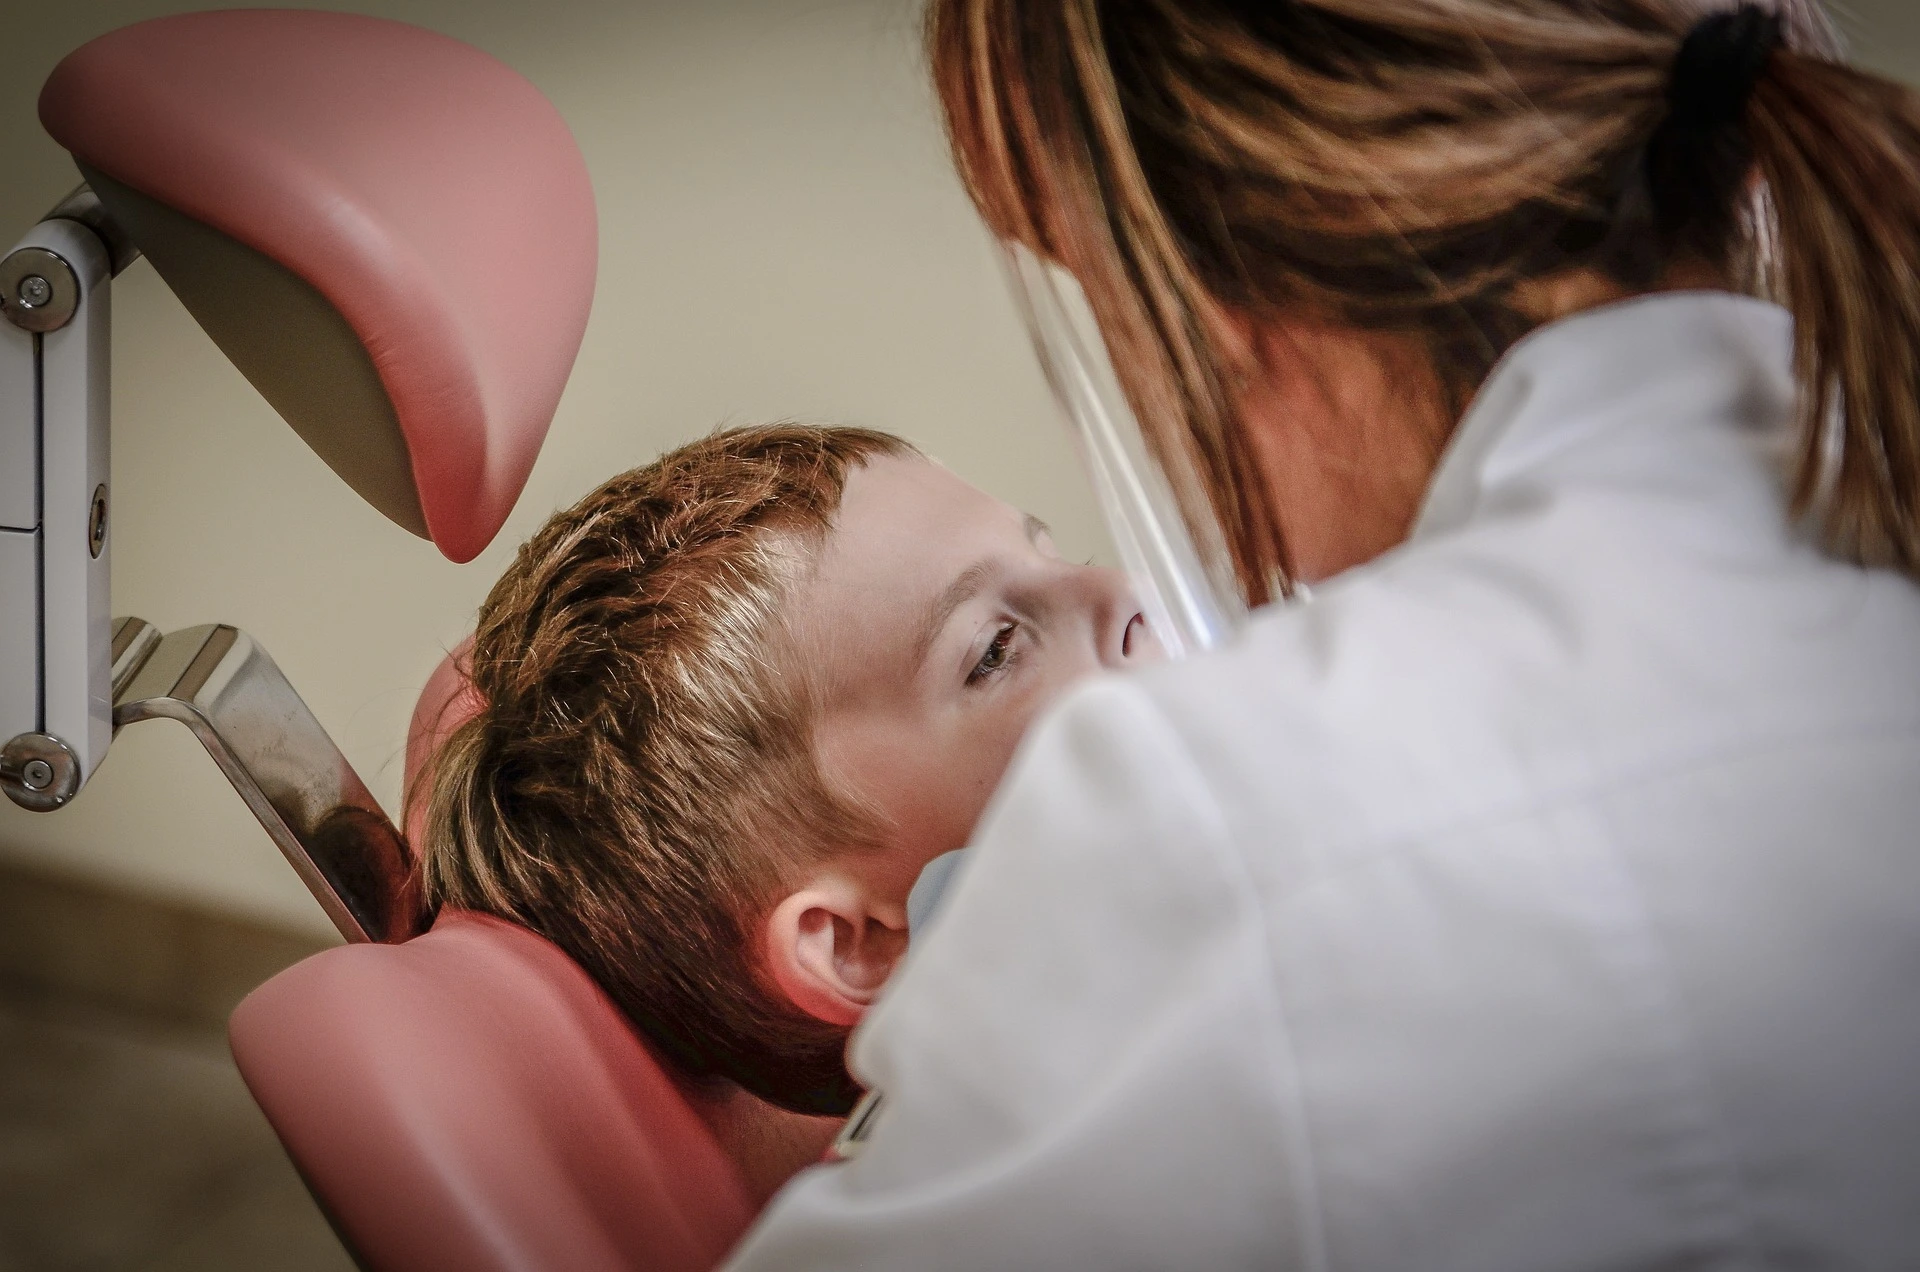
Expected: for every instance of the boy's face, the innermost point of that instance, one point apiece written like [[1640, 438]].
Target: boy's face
[[938, 622]]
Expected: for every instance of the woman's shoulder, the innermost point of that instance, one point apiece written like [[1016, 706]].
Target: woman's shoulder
[[1377, 695], [1521, 664]]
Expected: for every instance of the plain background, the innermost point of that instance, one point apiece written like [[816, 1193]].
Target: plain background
[[781, 237]]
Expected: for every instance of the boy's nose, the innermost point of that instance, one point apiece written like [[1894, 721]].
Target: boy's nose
[[1124, 636], [1139, 642]]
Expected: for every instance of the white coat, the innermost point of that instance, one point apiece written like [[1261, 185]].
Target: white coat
[[1544, 896]]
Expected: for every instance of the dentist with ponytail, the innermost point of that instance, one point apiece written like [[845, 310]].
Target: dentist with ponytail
[[1521, 871]]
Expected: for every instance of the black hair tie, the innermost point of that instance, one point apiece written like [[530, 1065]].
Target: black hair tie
[[1719, 65], [1682, 199]]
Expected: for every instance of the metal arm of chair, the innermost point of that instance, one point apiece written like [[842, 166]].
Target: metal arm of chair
[[221, 684]]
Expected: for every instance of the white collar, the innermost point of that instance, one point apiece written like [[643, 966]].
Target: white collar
[[1686, 355]]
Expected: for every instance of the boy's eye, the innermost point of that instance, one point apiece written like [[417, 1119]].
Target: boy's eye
[[999, 654]]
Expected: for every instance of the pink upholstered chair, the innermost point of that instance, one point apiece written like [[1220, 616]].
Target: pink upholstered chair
[[471, 1100]]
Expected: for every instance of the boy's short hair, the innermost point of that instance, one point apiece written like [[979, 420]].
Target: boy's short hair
[[640, 781]]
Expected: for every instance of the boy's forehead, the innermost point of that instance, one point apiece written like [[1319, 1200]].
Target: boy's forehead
[[906, 529], [902, 510], [908, 483]]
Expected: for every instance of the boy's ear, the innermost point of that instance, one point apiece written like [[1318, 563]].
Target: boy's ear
[[832, 944]]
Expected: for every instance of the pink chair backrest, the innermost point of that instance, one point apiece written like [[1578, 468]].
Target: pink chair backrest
[[389, 232], [472, 1100]]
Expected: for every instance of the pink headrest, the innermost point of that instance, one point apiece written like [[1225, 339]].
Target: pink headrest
[[431, 199], [471, 1100]]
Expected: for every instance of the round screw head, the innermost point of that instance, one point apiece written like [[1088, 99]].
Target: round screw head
[[39, 292], [38, 772]]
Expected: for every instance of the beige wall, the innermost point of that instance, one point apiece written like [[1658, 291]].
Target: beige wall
[[1883, 34], [780, 236]]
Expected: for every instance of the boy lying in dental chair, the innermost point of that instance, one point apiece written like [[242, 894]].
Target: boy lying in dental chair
[[735, 701]]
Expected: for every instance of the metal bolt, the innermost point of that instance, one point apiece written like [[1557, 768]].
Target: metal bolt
[[39, 292], [38, 772]]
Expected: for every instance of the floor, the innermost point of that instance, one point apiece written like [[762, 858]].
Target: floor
[[128, 1142]]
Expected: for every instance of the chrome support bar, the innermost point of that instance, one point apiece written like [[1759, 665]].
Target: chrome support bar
[[134, 640], [219, 683]]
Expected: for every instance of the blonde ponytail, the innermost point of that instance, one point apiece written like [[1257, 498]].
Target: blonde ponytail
[[1839, 152]]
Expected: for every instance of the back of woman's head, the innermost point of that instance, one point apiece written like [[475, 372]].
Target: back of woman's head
[[640, 776], [1414, 166]]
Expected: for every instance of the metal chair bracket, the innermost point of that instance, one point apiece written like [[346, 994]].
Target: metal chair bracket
[[221, 684]]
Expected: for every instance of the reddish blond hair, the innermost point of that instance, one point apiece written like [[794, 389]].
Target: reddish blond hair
[[640, 781]]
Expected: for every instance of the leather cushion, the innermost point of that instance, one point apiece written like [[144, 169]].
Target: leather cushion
[[426, 191]]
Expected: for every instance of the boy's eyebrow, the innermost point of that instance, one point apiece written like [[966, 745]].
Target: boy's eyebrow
[[963, 589], [957, 593]]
